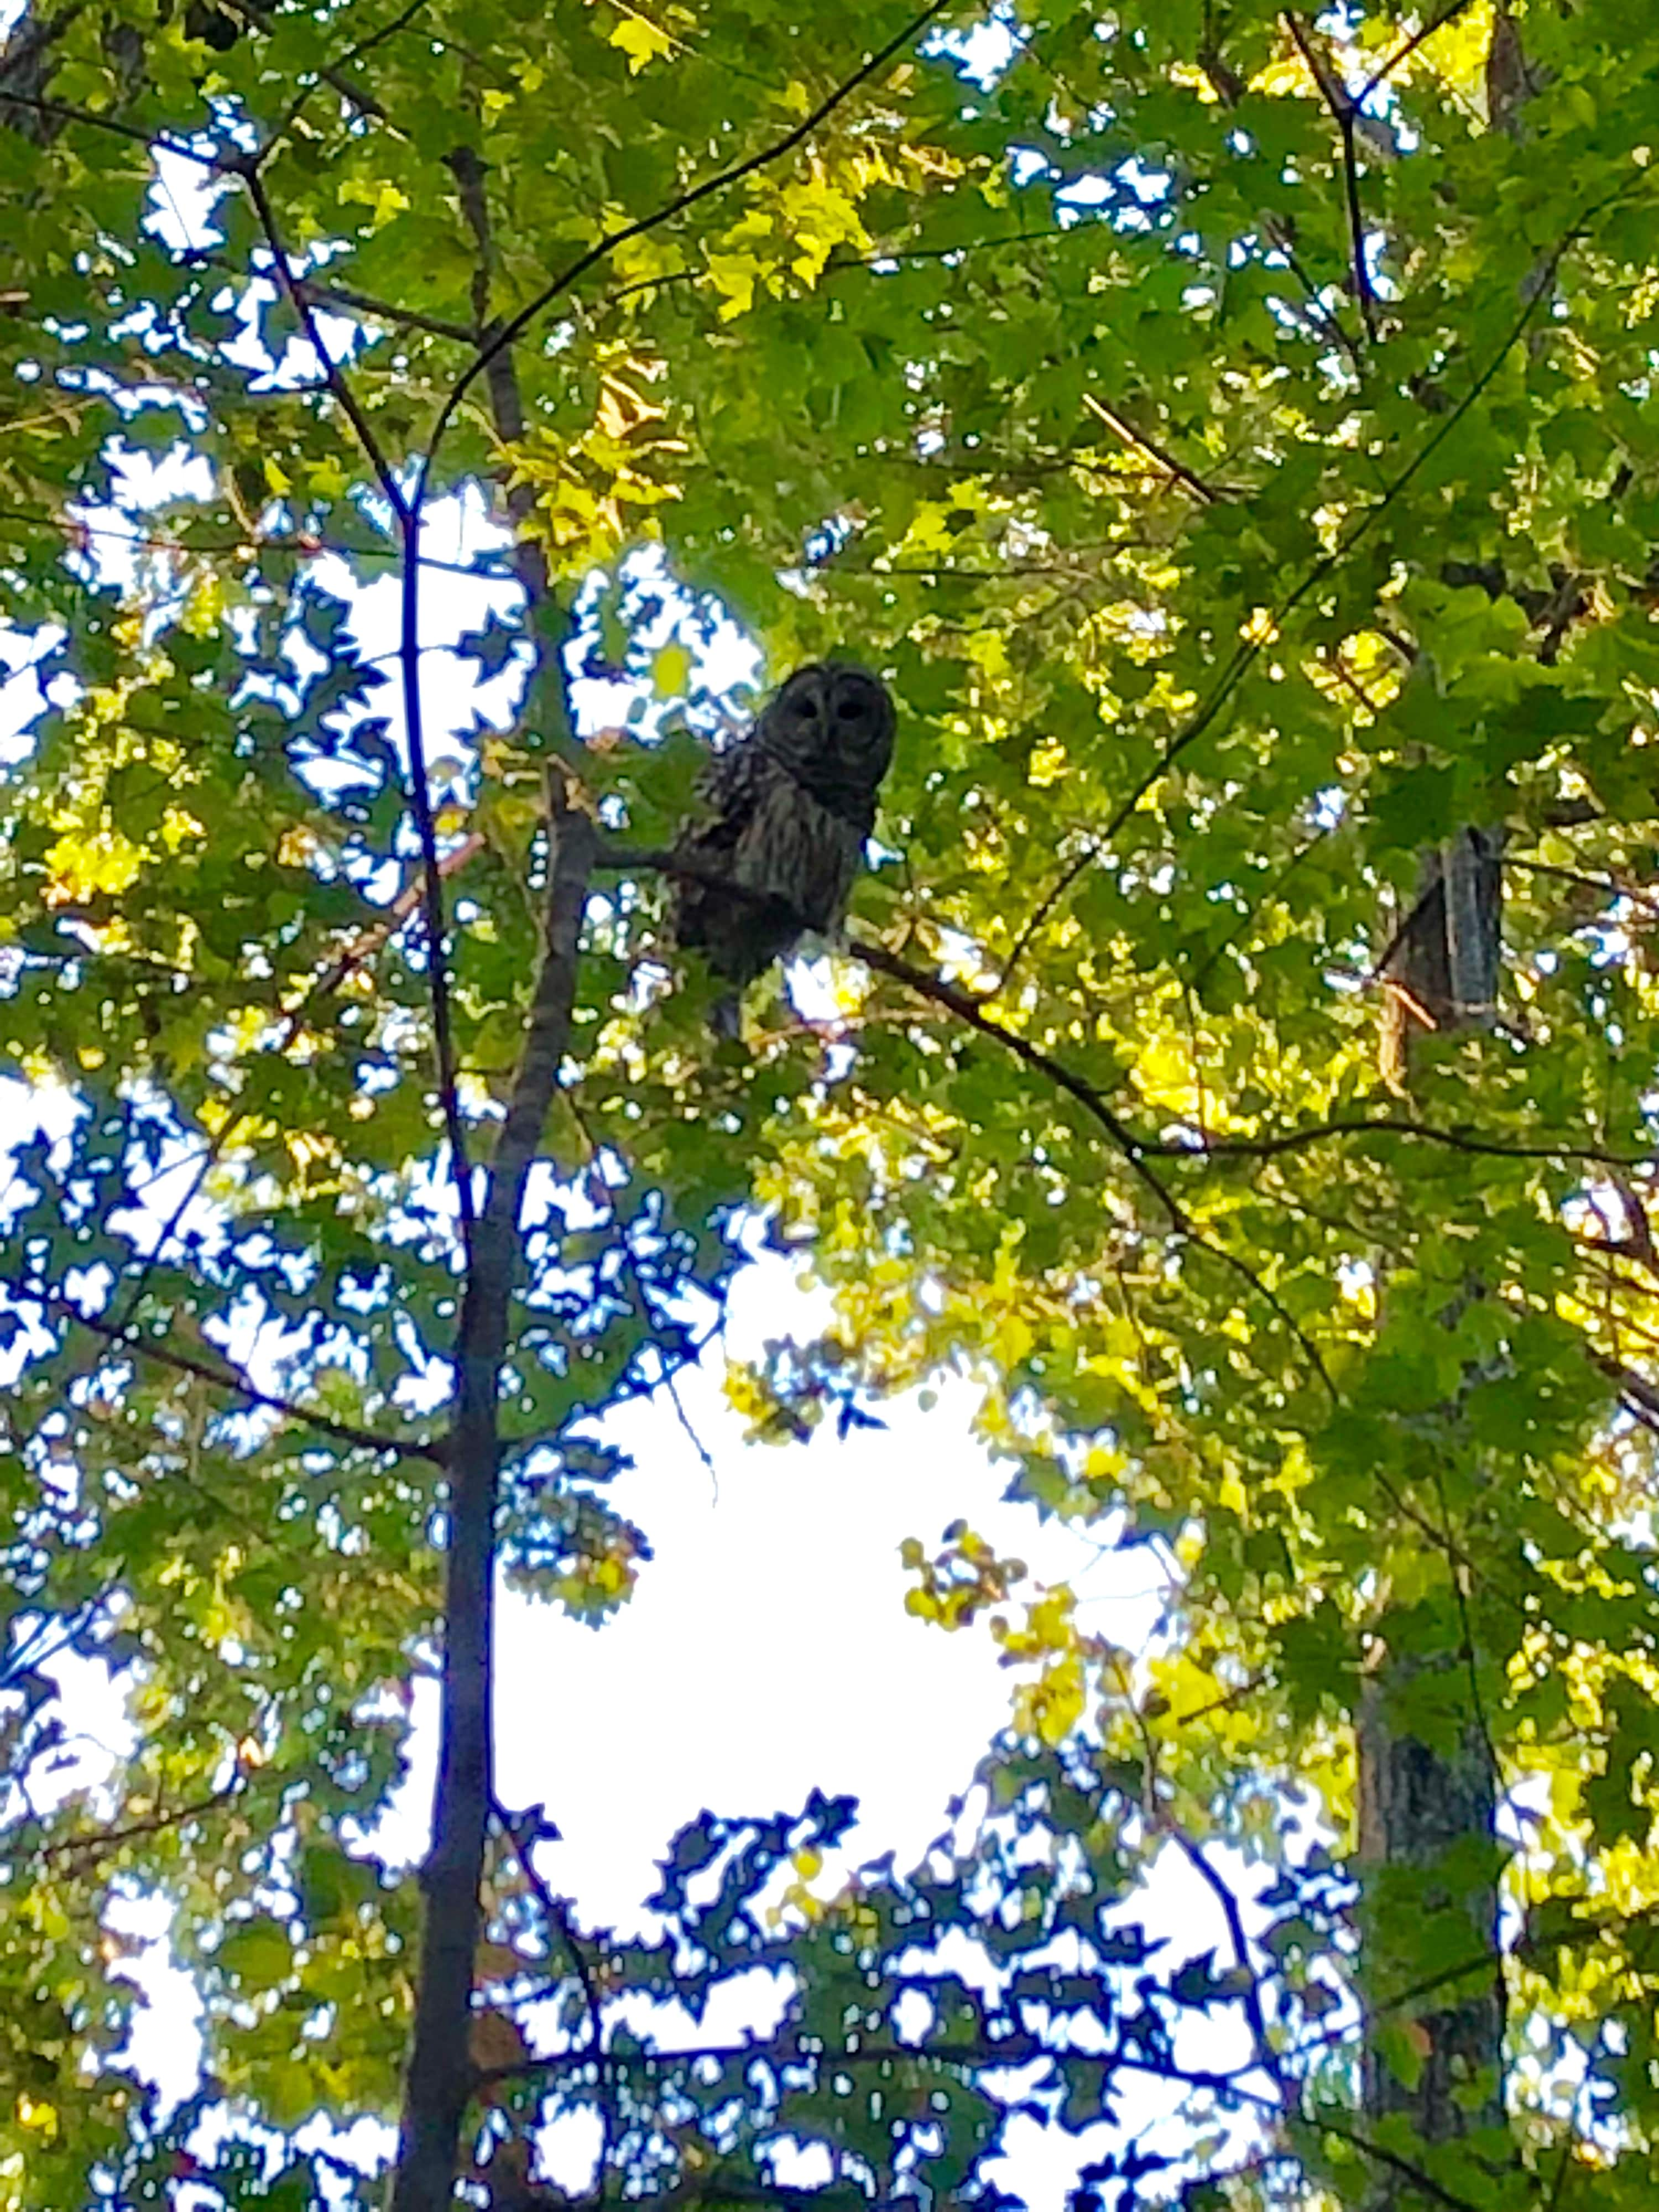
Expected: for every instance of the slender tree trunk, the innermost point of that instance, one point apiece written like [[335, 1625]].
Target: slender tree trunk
[[1431, 1971], [439, 2084]]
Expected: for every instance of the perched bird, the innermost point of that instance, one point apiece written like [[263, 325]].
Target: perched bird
[[787, 809]]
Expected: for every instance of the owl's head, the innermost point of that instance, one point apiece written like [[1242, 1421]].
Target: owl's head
[[834, 720]]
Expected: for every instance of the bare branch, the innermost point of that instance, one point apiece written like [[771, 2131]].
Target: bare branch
[[350, 406]]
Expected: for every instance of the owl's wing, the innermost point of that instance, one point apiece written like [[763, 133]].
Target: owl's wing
[[740, 935], [729, 790]]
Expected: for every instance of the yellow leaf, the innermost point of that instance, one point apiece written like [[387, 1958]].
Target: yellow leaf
[[640, 41], [670, 672], [81, 865], [1013, 1339], [327, 478], [734, 274]]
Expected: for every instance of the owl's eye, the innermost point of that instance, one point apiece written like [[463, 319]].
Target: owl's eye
[[849, 710]]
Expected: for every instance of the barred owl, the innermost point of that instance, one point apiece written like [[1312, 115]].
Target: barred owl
[[789, 809]]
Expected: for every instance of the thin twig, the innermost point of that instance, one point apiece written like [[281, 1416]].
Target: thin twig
[[218, 165], [1404, 51], [153, 1824], [344, 298], [1335, 95], [1251, 1995], [334, 74], [557, 1911], [338, 384], [1205, 494]]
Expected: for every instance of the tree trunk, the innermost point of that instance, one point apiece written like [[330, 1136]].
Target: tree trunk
[[1431, 1971], [1428, 1787], [1434, 2036]]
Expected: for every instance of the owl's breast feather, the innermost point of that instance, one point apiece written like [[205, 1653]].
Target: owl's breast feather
[[792, 848]]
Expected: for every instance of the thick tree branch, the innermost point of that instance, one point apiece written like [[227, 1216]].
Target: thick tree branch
[[1136, 1146]]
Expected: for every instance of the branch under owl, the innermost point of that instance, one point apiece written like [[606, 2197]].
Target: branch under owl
[[1132, 1149], [627, 860], [1136, 1148], [1137, 1151]]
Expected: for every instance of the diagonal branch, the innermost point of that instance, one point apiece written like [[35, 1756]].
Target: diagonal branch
[[1194, 1852], [153, 1824], [1406, 48], [223, 1375], [343, 299], [218, 165], [299, 298], [333, 74], [1136, 1151]]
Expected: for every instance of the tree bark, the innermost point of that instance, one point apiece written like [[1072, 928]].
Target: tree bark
[[439, 2079], [1434, 2058]]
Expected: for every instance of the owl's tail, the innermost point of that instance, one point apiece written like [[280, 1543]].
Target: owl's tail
[[725, 1016]]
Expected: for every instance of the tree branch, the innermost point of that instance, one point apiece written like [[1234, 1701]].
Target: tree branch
[[350, 406], [1342, 110], [224, 1375]]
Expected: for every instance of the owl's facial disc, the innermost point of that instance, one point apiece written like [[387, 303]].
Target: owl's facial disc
[[860, 717]]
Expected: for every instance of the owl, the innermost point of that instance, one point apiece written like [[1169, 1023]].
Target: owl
[[787, 809]]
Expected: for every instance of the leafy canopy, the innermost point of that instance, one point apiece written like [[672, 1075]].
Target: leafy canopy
[[1233, 433]]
